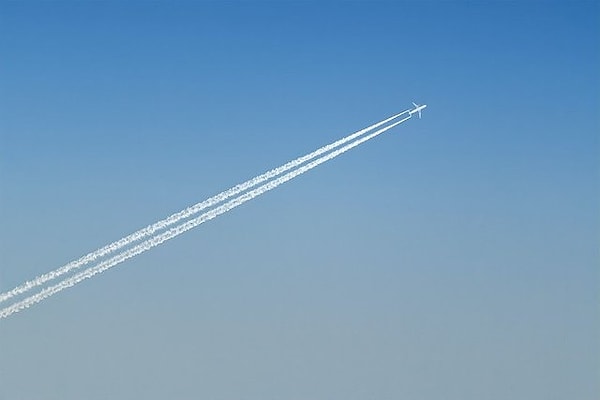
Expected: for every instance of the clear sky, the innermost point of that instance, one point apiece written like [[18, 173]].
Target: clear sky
[[456, 257]]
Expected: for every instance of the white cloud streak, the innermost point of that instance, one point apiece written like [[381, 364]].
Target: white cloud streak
[[186, 213], [184, 227]]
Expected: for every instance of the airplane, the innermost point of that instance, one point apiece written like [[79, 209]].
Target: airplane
[[418, 109]]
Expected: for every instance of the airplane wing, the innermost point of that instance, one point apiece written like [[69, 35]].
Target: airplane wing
[[418, 109]]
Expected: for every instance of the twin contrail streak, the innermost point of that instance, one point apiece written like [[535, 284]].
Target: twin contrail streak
[[358, 137], [186, 213]]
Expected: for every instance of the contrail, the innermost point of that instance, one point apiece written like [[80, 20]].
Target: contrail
[[184, 227], [188, 212]]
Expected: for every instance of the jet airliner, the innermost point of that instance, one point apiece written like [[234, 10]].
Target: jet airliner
[[417, 109]]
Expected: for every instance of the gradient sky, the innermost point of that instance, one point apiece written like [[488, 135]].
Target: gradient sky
[[456, 257]]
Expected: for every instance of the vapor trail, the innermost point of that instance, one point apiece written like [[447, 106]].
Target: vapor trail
[[188, 212], [184, 227]]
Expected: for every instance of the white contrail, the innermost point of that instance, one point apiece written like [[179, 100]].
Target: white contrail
[[184, 227], [188, 212]]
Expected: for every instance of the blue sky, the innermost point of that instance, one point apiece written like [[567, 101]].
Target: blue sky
[[455, 257]]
